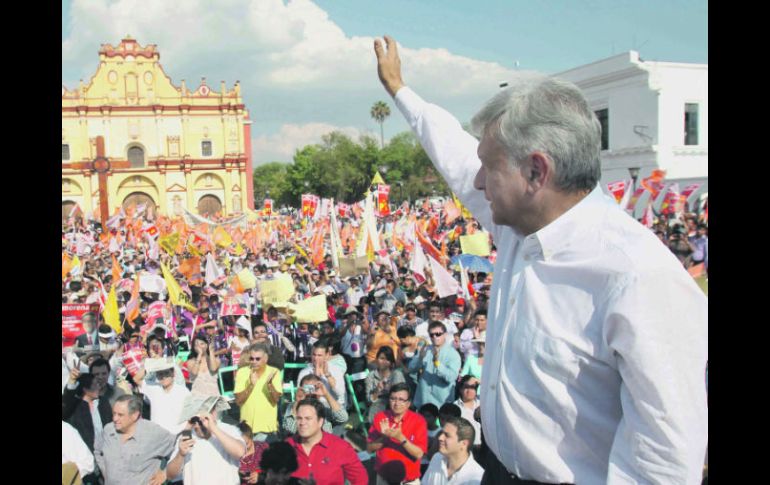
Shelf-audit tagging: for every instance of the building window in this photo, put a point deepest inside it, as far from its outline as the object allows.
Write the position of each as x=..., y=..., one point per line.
x=206, y=148
x=603, y=115
x=691, y=124
x=136, y=157
x=65, y=152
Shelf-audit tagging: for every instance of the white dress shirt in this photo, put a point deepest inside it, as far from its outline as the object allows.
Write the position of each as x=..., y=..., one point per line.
x=468, y=474
x=605, y=337
x=166, y=406
x=75, y=450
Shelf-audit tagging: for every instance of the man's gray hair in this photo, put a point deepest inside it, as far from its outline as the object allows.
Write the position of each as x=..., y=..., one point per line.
x=550, y=115
x=133, y=402
x=258, y=347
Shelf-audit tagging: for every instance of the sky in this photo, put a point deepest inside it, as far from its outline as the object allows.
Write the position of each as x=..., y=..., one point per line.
x=307, y=67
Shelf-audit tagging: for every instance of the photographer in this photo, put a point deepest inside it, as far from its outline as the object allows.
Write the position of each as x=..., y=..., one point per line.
x=335, y=416
x=208, y=450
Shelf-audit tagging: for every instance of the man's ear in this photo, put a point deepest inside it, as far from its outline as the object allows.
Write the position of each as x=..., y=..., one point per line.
x=538, y=171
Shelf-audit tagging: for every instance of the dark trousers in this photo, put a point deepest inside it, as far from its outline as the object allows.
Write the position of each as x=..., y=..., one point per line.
x=496, y=474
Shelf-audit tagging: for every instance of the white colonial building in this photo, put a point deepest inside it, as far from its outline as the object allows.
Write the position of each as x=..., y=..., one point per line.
x=654, y=116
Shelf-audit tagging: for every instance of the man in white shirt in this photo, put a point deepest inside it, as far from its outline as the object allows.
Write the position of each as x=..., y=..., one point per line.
x=604, y=333
x=211, y=454
x=331, y=375
x=74, y=450
x=454, y=463
x=166, y=397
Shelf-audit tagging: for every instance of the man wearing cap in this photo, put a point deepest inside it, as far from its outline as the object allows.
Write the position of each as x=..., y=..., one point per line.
x=166, y=397
x=385, y=334
x=354, y=294
x=212, y=452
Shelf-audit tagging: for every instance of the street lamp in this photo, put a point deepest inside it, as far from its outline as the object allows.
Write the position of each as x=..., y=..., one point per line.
x=634, y=173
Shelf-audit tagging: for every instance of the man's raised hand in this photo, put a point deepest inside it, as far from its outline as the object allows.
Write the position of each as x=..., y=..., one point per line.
x=388, y=65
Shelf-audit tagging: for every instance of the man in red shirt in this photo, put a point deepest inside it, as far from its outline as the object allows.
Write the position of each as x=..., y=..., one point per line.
x=400, y=438
x=323, y=457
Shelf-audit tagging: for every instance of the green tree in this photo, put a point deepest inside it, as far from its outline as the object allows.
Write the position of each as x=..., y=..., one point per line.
x=271, y=177
x=380, y=111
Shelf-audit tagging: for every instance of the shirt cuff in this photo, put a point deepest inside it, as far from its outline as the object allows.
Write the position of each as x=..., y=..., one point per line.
x=72, y=387
x=409, y=103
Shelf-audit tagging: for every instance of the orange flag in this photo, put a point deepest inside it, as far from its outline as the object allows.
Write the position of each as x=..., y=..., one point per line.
x=132, y=307
x=236, y=285
x=115, y=271
x=66, y=265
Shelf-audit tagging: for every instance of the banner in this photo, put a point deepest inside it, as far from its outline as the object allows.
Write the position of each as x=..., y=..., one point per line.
x=477, y=244
x=72, y=321
x=268, y=208
x=307, y=200
x=247, y=279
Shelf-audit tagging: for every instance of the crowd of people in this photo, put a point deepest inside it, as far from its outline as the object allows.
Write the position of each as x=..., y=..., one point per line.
x=417, y=358
x=189, y=387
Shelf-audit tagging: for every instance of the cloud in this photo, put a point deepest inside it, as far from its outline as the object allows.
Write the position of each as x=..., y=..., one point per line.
x=281, y=146
x=296, y=66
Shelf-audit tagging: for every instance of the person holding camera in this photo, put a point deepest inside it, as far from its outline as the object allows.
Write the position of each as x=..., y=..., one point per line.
x=335, y=415
x=208, y=450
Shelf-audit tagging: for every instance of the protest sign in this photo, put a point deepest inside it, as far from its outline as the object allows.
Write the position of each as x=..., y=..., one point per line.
x=353, y=266
x=232, y=305
x=279, y=289
x=247, y=279
x=132, y=360
x=477, y=244
x=156, y=311
x=72, y=321
x=311, y=310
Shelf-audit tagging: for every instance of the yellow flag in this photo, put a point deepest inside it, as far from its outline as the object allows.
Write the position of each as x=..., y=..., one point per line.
x=477, y=244
x=175, y=293
x=75, y=263
x=377, y=179
x=169, y=243
x=463, y=210
x=301, y=251
x=110, y=313
x=290, y=260
x=221, y=237
x=238, y=250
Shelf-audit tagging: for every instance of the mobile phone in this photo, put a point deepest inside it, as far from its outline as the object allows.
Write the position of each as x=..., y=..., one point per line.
x=186, y=434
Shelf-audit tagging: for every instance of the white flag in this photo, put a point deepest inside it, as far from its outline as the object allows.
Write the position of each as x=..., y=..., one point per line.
x=446, y=285
x=213, y=272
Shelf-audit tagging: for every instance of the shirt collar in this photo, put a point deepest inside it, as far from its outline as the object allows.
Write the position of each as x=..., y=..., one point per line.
x=559, y=234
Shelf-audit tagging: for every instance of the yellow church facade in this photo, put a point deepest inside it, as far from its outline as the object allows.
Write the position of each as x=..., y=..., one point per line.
x=168, y=146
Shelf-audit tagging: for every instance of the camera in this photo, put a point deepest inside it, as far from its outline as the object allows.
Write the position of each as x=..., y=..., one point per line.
x=308, y=388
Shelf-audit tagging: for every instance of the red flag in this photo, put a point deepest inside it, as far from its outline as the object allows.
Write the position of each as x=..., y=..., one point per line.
x=617, y=189
x=635, y=199
x=670, y=200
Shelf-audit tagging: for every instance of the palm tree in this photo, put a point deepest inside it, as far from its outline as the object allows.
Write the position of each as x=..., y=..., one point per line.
x=380, y=111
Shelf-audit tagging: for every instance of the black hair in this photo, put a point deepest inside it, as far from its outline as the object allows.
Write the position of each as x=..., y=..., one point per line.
x=279, y=457
x=388, y=353
x=436, y=324
x=194, y=353
x=244, y=428
x=101, y=361
x=320, y=409
x=480, y=312
x=322, y=344
x=449, y=409
x=401, y=386
x=405, y=331
x=465, y=431
x=85, y=381
x=429, y=408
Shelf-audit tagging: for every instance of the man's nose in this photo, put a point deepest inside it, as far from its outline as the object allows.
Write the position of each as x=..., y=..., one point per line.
x=478, y=180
